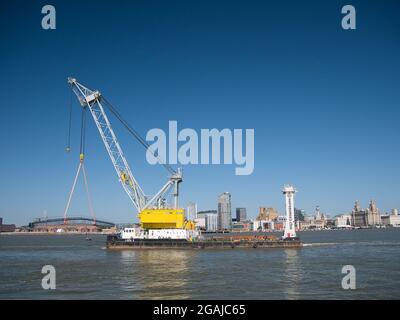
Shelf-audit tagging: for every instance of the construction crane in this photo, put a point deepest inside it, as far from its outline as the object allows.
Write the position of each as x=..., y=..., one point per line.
x=153, y=211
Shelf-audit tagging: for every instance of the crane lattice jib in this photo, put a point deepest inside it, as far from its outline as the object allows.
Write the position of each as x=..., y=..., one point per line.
x=92, y=100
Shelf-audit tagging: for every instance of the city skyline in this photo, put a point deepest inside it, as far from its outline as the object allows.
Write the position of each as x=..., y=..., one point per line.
x=304, y=212
x=191, y=210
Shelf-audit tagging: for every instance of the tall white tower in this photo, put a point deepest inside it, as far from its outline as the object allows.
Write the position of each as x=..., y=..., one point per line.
x=290, y=231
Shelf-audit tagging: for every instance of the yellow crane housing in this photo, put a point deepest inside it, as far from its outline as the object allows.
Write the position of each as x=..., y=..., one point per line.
x=162, y=218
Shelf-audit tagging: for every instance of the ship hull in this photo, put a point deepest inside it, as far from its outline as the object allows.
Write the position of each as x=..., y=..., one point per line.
x=113, y=243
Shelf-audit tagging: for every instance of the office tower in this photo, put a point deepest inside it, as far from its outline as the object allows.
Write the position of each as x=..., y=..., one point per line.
x=211, y=222
x=224, y=212
x=241, y=214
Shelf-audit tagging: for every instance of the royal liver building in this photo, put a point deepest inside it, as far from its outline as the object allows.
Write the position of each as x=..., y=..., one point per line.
x=369, y=217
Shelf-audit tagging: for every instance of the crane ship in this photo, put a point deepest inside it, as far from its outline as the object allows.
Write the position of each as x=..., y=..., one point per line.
x=162, y=224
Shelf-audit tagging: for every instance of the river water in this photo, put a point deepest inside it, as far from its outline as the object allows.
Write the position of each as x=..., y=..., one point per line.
x=86, y=270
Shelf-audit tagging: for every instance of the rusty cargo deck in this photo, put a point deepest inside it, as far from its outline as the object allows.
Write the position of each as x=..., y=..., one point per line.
x=114, y=243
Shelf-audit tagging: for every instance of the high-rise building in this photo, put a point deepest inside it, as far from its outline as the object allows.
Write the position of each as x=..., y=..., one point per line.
x=224, y=212
x=191, y=211
x=395, y=212
x=211, y=222
x=241, y=214
x=299, y=214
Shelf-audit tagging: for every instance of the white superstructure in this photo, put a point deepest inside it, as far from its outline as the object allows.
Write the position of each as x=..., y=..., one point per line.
x=173, y=234
x=132, y=233
x=290, y=231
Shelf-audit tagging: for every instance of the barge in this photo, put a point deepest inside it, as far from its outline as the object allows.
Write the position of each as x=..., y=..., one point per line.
x=115, y=242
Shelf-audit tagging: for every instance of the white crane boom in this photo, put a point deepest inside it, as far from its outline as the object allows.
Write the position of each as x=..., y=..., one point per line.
x=92, y=100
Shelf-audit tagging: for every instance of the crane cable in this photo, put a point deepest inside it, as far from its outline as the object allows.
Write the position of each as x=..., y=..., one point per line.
x=80, y=167
x=88, y=195
x=82, y=156
x=83, y=132
x=133, y=132
x=68, y=148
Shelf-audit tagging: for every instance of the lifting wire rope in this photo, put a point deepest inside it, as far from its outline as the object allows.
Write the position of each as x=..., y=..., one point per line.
x=68, y=148
x=81, y=166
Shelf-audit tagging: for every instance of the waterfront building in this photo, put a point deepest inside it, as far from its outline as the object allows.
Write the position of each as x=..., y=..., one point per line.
x=263, y=225
x=278, y=225
x=269, y=214
x=373, y=214
x=191, y=211
x=318, y=215
x=308, y=218
x=242, y=226
x=358, y=216
x=200, y=223
x=241, y=214
x=305, y=225
x=6, y=227
x=312, y=225
x=203, y=213
x=392, y=220
x=224, y=211
x=369, y=217
x=318, y=221
x=343, y=221
x=299, y=214
x=211, y=222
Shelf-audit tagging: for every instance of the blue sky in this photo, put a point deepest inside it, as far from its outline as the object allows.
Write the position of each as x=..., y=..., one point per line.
x=324, y=102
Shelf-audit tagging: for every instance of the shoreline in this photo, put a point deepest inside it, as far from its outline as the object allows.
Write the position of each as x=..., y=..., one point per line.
x=35, y=233
x=23, y=233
